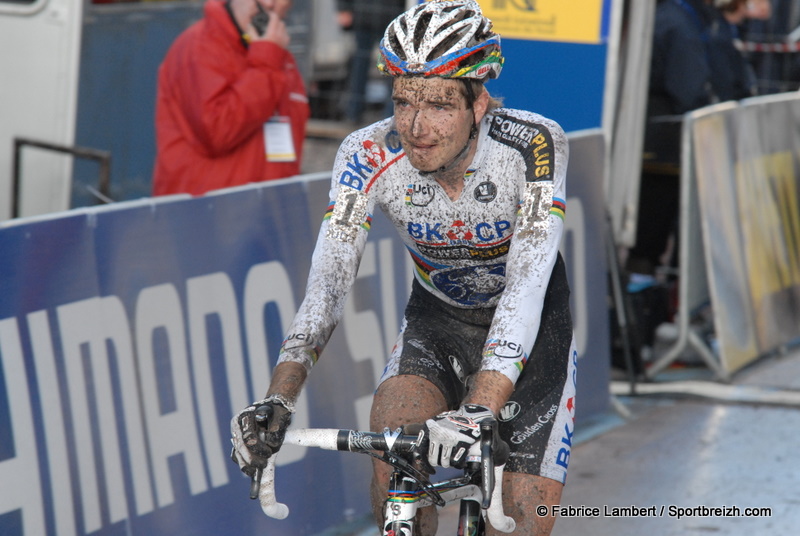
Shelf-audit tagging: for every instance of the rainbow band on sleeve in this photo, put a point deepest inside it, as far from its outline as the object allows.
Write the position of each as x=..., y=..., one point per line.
x=488, y=351
x=559, y=207
x=311, y=352
x=329, y=210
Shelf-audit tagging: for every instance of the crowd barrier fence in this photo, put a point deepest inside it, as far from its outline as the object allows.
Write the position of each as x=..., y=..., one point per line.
x=739, y=232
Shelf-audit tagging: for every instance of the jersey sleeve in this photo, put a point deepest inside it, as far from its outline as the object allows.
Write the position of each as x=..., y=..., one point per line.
x=533, y=252
x=334, y=264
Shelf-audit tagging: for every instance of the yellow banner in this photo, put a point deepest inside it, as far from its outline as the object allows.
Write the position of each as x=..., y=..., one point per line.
x=576, y=21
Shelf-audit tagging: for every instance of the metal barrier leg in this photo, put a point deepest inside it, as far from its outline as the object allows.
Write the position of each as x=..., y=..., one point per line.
x=687, y=334
x=620, y=304
x=687, y=338
x=707, y=355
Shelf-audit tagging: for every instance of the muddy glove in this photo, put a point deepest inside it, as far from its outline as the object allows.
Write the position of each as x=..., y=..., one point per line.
x=258, y=431
x=451, y=434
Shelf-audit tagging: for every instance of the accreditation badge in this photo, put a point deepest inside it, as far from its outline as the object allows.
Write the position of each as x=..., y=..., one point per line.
x=278, y=143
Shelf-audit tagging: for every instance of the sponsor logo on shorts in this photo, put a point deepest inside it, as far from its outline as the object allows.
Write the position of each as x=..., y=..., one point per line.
x=562, y=458
x=457, y=368
x=431, y=363
x=521, y=435
x=418, y=344
x=509, y=411
x=429, y=360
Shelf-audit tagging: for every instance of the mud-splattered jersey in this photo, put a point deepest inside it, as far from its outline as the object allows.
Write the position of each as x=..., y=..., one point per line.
x=493, y=247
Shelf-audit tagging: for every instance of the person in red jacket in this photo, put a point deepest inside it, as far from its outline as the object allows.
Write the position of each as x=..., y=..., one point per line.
x=231, y=106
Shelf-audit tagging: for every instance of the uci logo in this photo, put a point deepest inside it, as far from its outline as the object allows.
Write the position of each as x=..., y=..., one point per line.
x=419, y=195
x=296, y=340
x=508, y=350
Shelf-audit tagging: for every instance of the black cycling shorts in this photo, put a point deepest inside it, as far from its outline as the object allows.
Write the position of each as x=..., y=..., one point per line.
x=444, y=344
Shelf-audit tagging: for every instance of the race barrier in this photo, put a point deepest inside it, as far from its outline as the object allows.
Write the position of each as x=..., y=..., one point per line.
x=131, y=333
x=740, y=231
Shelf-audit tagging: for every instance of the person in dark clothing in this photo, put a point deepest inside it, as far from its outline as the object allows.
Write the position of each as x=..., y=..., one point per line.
x=367, y=20
x=732, y=76
x=680, y=81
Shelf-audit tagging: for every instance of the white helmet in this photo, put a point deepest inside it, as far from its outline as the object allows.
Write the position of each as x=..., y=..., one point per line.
x=448, y=39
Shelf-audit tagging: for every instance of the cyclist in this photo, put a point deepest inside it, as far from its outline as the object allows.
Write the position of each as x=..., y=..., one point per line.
x=476, y=192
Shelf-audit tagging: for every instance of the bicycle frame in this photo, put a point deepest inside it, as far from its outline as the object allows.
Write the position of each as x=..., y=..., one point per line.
x=409, y=488
x=405, y=497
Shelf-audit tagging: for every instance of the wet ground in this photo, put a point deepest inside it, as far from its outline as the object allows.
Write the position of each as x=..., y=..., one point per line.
x=689, y=455
x=711, y=449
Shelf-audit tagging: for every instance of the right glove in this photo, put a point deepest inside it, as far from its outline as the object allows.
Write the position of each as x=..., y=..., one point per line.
x=452, y=433
x=257, y=432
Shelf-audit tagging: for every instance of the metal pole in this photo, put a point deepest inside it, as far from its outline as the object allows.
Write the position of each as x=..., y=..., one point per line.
x=102, y=157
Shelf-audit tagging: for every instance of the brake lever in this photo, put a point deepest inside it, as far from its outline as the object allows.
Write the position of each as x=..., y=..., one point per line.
x=488, y=428
x=262, y=416
x=255, y=483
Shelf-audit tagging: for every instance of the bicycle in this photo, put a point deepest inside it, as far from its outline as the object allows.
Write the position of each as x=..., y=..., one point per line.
x=479, y=489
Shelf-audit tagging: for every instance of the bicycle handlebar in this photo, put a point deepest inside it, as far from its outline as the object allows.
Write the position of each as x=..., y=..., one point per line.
x=387, y=441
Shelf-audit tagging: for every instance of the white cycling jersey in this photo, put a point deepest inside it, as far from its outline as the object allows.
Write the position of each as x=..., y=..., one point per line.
x=493, y=247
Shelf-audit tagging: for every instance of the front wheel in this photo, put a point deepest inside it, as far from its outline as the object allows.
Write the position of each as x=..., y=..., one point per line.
x=470, y=520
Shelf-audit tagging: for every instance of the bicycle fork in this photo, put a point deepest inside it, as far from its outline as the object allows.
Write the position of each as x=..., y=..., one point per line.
x=401, y=506
x=403, y=500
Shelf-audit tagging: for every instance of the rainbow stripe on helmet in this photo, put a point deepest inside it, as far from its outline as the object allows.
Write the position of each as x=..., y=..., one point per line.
x=447, y=66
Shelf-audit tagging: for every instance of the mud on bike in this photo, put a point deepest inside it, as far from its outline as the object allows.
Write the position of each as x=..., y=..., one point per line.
x=479, y=488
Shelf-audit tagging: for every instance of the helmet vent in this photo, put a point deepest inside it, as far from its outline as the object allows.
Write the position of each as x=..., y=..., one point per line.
x=419, y=30
x=394, y=44
x=445, y=45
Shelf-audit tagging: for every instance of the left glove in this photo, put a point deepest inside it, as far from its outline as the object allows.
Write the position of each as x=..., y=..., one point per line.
x=451, y=434
x=257, y=432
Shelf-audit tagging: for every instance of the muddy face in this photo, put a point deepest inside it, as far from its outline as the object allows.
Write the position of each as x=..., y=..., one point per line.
x=433, y=120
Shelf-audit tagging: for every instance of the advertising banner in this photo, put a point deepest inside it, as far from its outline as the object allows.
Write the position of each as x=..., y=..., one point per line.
x=578, y=21
x=721, y=255
x=131, y=334
x=556, y=58
x=747, y=175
